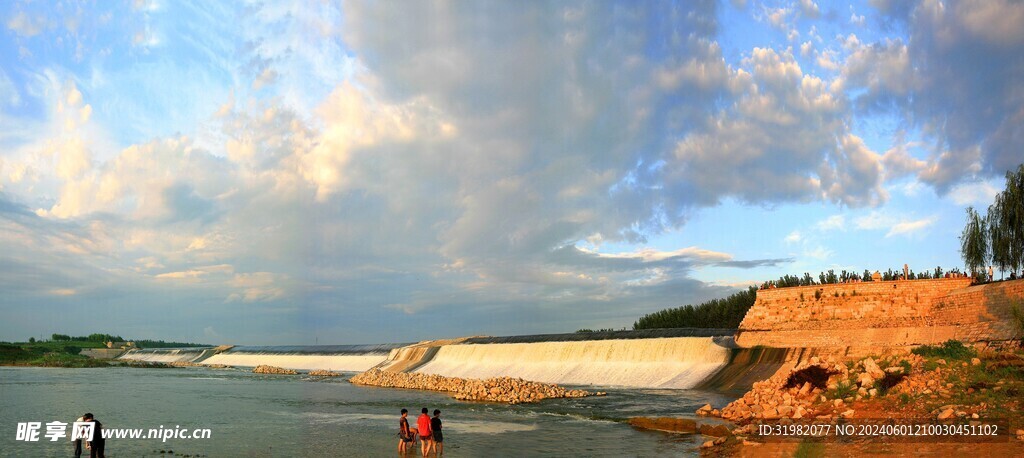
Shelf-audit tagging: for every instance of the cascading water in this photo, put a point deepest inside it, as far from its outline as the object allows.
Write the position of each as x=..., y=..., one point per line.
x=167, y=355
x=675, y=362
x=348, y=358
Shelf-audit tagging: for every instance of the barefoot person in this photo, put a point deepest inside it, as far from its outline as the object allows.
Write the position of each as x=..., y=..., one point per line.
x=405, y=434
x=423, y=424
x=435, y=428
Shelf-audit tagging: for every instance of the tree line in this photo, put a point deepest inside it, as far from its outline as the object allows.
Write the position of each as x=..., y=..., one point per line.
x=102, y=338
x=716, y=313
x=997, y=238
x=831, y=277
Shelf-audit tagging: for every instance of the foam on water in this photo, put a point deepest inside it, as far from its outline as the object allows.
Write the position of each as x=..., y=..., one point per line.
x=680, y=362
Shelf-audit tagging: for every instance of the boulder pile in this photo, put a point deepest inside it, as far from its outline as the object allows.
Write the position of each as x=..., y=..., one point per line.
x=264, y=369
x=501, y=389
x=324, y=373
x=820, y=388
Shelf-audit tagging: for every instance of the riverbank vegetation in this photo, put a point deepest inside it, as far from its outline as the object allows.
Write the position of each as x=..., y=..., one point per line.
x=716, y=313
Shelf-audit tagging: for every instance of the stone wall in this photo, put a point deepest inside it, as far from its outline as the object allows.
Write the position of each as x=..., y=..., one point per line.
x=891, y=313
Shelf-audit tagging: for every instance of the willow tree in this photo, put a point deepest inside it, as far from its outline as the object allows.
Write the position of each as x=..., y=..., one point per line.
x=1006, y=224
x=974, y=242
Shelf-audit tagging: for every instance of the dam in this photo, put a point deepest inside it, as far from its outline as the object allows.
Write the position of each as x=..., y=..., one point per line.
x=784, y=327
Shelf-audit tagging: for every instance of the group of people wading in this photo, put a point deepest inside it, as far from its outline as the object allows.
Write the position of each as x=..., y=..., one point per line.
x=427, y=432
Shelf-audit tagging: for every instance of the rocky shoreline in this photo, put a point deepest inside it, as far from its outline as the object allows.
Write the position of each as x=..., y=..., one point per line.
x=506, y=390
x=952, y=384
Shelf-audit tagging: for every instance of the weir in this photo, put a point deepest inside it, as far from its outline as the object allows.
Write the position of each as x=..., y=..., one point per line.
x=672, y=362
x=348, y=358
x=168, y=355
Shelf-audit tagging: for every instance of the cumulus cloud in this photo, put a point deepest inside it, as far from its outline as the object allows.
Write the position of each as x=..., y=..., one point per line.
x=957, y=78
x=783, y=139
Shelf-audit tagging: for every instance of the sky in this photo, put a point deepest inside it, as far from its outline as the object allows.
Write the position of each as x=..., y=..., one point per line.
x=325, y=172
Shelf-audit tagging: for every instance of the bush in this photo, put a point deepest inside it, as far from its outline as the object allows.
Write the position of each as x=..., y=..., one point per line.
x=951, y=349
x=1018, y=319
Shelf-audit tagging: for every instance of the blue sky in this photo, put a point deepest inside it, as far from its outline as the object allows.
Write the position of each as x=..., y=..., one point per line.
x=284, y=173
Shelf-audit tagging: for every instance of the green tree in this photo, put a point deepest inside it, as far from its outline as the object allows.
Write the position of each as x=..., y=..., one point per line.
x=1006, y=224
x=974, y=242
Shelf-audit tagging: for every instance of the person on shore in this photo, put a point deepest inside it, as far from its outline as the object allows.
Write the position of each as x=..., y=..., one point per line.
x=435, y=428
x=97, y=445
x=78, y=442
x=423, y=423
x=406, y=435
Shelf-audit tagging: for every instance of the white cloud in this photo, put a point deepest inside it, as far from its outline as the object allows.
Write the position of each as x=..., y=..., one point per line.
x=910, y=227
x=26, y=25
x=980, y=194
x=793, y=237
x=877, y=220
x=832, y=223
x=651, y=255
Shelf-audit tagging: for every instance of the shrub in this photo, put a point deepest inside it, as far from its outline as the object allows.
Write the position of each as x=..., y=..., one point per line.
x=817, y=294
x=843, y=390
x=951, y=349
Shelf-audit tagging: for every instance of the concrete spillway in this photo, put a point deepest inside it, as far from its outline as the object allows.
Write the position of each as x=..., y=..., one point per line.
x=675, y=362
x=349, y=358
x=168, y=355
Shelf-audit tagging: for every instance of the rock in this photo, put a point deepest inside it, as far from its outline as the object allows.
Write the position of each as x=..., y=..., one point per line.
x=708, y=444
x=872, y=369
x=866, y=380
x=804, y=390
x=847, y=414
x=750, y=443
x=975, y=362
x=324, y=373
x=873, y=392
x=719, y=441
x=672, y=425
x=837, y=402
x=945, y=414
x=704, y=410
x=264, y=369
x=714, y=430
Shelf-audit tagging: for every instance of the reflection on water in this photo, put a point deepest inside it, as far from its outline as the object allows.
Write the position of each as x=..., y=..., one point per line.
x=261, y=415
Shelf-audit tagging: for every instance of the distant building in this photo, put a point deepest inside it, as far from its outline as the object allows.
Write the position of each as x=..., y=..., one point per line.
x=121, y=345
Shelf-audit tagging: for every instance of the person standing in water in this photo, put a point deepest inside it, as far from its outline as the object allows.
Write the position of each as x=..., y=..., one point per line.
x=98, y=443
x=78, y=442
x=405, y=434
x=423, y=423
x=435, y=428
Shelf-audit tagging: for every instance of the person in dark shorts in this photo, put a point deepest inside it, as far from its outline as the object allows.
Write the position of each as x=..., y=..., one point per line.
x=423, y=423
x=98, y=444
x=406, y=435
x=435, y=428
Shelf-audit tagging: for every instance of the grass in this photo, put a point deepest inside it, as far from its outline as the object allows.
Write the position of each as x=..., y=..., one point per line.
x=842, y=390
x=951, y=349
x=809, y=450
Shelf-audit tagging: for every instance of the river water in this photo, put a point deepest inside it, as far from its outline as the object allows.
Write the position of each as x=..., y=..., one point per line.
x=262, y=416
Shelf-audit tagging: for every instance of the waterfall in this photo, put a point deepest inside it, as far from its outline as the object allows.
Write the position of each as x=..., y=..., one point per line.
x=676, y=362
x=348, y=358
x=167, y=355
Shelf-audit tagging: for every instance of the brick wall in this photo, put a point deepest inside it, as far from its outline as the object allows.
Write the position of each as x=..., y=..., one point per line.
x=892, y=313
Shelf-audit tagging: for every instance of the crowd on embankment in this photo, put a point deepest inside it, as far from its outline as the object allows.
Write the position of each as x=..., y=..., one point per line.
x=500, y=389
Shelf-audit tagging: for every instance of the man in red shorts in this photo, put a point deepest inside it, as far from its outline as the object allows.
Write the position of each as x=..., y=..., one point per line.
x=423, y=425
